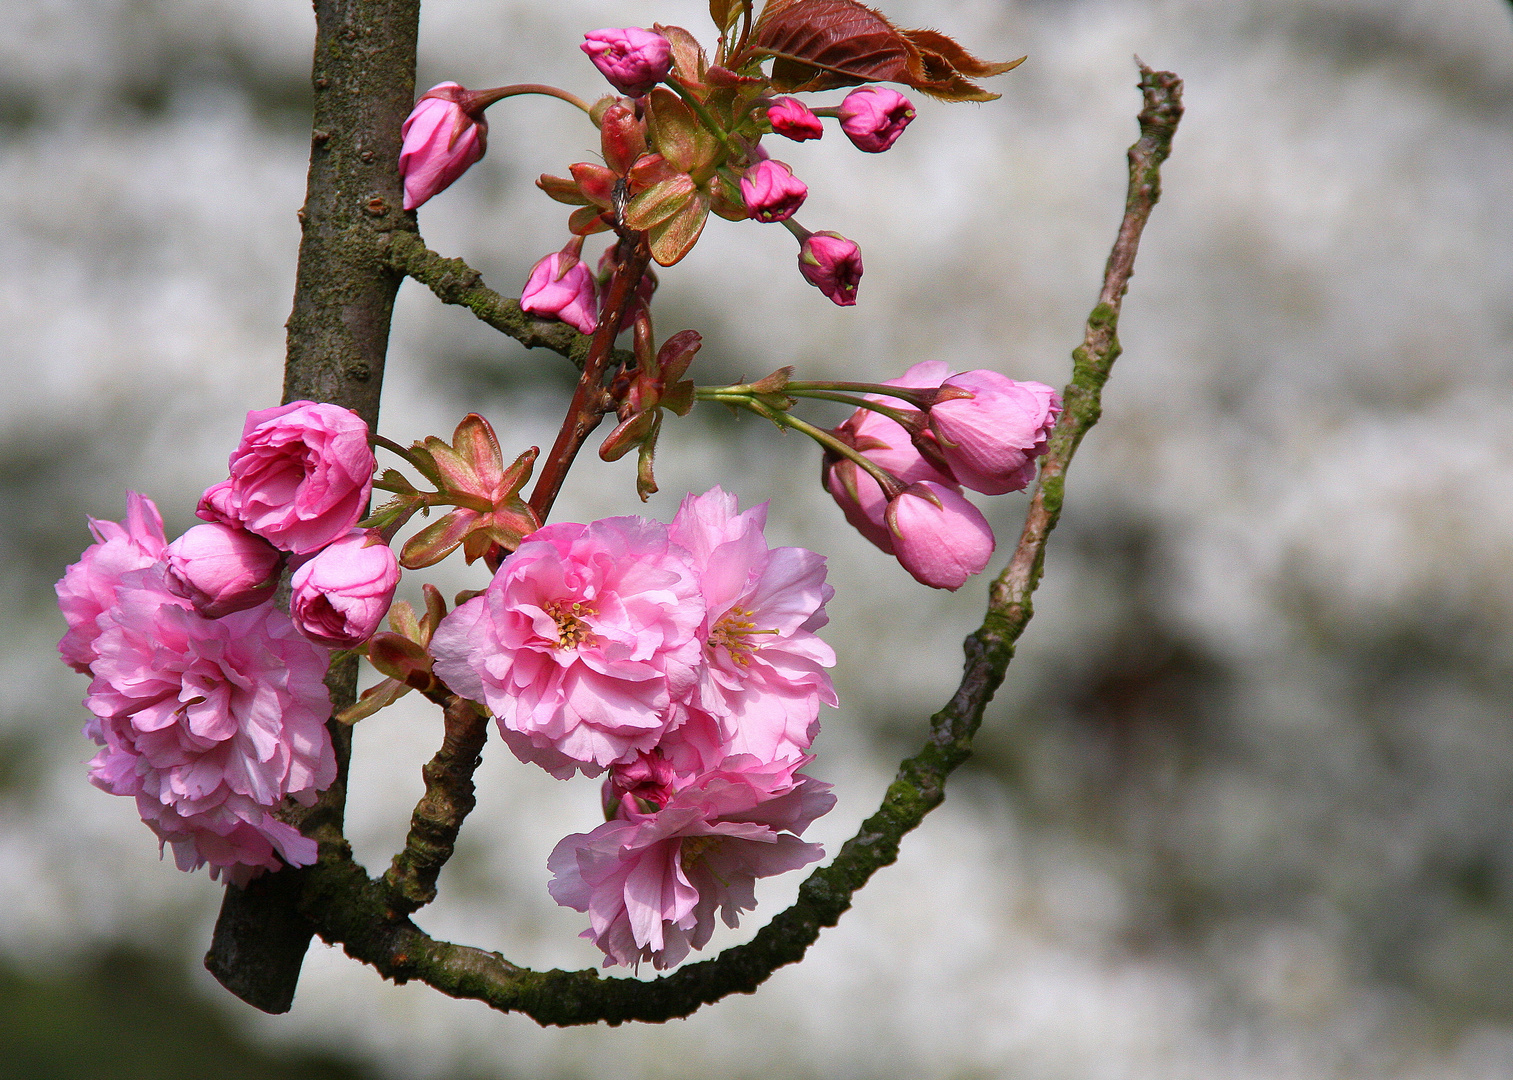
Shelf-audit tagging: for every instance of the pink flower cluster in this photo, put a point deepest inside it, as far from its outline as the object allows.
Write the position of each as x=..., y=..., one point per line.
x=209, y=701
x=986, y=439
x=683, y=659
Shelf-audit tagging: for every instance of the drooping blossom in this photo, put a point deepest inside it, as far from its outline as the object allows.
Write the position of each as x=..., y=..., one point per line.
x=991, y=439
x=342, y=594
x=441, y=141
x=873, y=117
x=88, y=587
x=771, y=191
x=763, y=678
x=220, y=569
x=562, y=287
x=583, y=645
x=833, y=265
x=792, y=119
x=632, y=59
x=300, y=478
x=939, y=536
x=653, y=882
x=208, y=724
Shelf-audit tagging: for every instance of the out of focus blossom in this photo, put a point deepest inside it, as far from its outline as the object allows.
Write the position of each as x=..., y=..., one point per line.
x=991, y=439
x=343, y=593
x=833, y=265
x=792, y=119
x=220, y=569
x=441, y=140
x=873, y=117
x=562, y=287
x=939, y=536
x=632, y=59
x=89, y=586
x=300, y=478
x=771, y=191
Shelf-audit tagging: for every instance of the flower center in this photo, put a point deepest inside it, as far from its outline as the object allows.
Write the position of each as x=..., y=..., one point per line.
x=572, y=631
x=692, y=849
x=733, y=631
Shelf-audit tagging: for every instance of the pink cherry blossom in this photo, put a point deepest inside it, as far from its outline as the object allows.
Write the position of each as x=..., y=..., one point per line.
x=340, y=597
x=833, y=265
x=220, y=569
x=652, y=883
x=88, y=587
x=939, y=536
x=584, y=644
x=873, y=117
x=991, y=439
x=209, y=723
x=632, y=59
x=562, y=287
x=300, y=478
x=441, y=141
x=792, y=119
x=763, y=678
x=771, y=191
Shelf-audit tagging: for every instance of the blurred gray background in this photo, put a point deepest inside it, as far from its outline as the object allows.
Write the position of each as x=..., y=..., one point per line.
x=1244, y=808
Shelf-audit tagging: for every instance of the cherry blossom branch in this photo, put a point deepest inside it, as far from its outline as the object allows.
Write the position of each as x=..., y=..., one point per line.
x=350, y=908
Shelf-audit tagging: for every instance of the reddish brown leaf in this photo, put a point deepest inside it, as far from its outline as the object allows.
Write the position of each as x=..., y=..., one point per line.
x=688, y=60
x=659, y=202
x=586, y=220
x=561, y=189
x=595, y=182
x=675, y=237
x=622, y=138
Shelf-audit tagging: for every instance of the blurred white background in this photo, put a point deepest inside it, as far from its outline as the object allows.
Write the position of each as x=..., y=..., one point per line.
x=1244, y=807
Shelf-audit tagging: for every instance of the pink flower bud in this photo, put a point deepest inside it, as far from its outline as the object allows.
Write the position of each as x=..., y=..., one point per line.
x=440, y=142
x=833, y=265
x=561, y=287
x=220, y=569
x=792, y=119
x=300, y=477
x=938, y=536
x=772, y=192
x=342, y=594
x=632, y=59
x=873, y=117
x=991, y=439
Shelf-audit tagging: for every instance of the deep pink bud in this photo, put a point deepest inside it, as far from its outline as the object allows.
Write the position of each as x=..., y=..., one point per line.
x=772, y=192
x=833, y=265
x=342, y=594
x=561, y=287
x=792, y=119
x=632, y=59
x=938, y=536
x=873, y=117
x=991, y=439
x=440, y=142
x=220, y=569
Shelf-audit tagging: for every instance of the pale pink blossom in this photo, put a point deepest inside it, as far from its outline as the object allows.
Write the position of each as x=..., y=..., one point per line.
x=441, y=141
x=632, y=59
x=562, y=287
x=792, y=119
x=991, y=439
x=833, y=265
x=939, y=536
x=88, y=587
x=653, y=882
x=220, y=569
x=300, y=477
x=771, y=191
x=340, y=597
x=873, y=117
x=763, y=678
x=209, y=723
x=584, y=644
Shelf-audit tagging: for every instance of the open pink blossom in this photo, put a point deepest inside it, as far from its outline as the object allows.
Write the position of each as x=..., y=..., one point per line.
x=991, y=439
x=562, y=287
x=441, y=141
x=300, y=478
x=873, y=117
x=792, y=119
x=583, y=645
x=632, y=59
x=652, y=883
x=209, y=723
x=833, y=265
x=220, y=569
x=771, y=191
x=763, y=678
x=88, y=587
x=939, y=536
x=340, y=597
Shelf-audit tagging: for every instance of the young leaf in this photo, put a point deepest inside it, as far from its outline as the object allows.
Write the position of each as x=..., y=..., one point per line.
x=660, y=202
x=675, y=237
x=561, y=189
